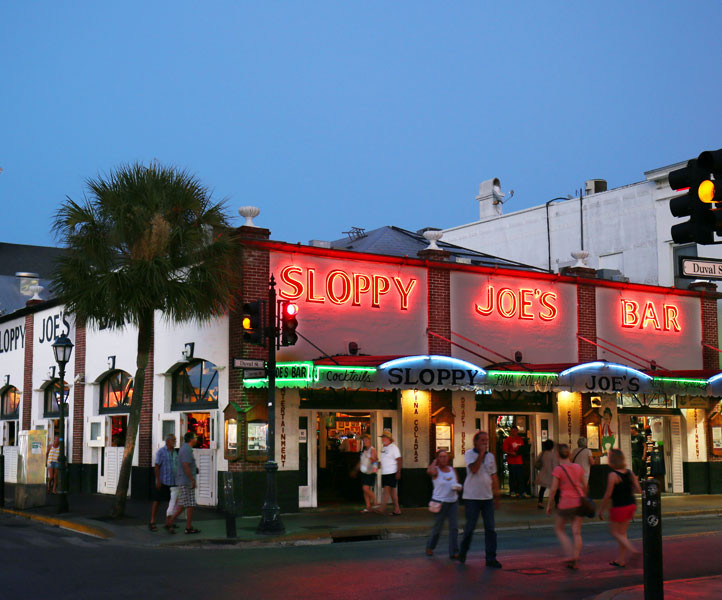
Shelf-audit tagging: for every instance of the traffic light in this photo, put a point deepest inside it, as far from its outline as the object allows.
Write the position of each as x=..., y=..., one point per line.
x=289, y=310
x=699, y=201
x=252, y=322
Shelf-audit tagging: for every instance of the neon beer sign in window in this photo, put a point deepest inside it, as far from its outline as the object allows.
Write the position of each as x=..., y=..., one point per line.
x=526, y=304
x=648, y=316
x=343, y=287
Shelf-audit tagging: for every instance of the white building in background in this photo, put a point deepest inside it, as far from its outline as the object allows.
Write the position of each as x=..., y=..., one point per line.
x=626, y=229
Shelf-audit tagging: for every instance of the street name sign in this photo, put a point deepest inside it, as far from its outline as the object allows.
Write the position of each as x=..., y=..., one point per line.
x=260, y=374
x=248, y=363
x=700, y=268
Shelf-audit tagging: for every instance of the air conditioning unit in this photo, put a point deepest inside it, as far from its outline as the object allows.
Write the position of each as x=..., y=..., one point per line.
x=595, y=186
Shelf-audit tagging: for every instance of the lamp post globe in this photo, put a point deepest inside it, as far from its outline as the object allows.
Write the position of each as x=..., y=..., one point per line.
x=62, y=349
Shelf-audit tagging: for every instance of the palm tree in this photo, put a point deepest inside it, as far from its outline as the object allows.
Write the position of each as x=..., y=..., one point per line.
x=145, y=239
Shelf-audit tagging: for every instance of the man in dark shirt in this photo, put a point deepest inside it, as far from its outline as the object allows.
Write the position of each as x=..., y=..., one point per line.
x=639, y=446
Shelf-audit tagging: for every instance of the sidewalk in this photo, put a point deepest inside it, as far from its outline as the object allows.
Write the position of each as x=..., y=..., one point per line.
x=681, y=589
x=89, y=514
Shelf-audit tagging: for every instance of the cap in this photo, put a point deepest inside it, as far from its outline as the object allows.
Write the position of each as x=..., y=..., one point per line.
x=387, y=434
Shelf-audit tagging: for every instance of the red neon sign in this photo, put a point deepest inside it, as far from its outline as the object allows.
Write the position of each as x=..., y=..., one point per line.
x=341, y=287
x=526, y=304
x=648, y=316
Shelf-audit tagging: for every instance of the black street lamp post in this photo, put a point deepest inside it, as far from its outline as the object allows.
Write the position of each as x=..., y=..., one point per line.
x=62, y=348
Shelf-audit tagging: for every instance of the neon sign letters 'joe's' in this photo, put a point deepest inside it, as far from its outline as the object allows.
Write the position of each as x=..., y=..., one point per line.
x=341, y=287
x=527, y=304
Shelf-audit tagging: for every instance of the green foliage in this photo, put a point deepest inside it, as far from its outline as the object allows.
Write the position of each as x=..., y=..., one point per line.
x=144, y=239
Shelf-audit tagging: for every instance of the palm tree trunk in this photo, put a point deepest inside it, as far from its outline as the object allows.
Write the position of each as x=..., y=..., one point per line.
x=145, y=333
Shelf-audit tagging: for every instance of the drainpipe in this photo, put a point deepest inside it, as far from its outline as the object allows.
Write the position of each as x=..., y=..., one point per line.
x=549, y=236
x=581, y=216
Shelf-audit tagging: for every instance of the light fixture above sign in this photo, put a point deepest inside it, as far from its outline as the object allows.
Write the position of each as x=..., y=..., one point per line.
x=188, y=351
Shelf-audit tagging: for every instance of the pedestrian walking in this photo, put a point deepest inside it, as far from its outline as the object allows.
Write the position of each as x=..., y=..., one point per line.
x=368, y=466
x=165, y=489
x=481, y=497
x=583, y=456
x=621, y=487
x=186, y=480
x=444, y=502
x=546, y=463
x=390, y=472
x=52, y=460
x=513, y=449
x=569, y=479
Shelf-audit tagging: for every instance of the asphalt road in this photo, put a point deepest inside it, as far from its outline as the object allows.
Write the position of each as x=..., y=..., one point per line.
x=39, y=561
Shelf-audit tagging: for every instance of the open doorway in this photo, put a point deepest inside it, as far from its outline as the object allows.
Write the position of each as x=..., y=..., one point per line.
x=499, y=429
x=339, y=445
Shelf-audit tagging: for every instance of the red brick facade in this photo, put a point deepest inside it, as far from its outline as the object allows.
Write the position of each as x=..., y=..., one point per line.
x=79, y=396
x=255, y=277
x=28, y=372
x=586, y=322
x=439, y=307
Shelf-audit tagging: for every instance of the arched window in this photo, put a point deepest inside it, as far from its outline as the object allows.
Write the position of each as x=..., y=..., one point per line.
x=52, y=393
x=10, y=405
x=196, y=385
x=116, y=392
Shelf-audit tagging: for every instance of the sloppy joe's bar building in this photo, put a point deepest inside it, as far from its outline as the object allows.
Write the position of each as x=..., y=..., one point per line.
x=429, y=348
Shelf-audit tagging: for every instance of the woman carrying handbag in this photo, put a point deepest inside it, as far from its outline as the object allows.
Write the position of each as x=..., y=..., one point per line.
x=444, y=503
x=569, y=479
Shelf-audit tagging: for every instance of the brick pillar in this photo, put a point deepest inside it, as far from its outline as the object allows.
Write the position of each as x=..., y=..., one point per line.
x=145, y=429
x=79, y=395
x=28, y=372
x=710, y=358
x=438, y=302
x=255, y=274
x=586, y=313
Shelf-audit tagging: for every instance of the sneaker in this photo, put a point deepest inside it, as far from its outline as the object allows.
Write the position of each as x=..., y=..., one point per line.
x=494, y=564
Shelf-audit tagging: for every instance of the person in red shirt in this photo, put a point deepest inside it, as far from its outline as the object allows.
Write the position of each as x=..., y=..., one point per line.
x=512, y=448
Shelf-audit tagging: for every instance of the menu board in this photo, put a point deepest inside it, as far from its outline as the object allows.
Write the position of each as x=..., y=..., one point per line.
x=257, y=437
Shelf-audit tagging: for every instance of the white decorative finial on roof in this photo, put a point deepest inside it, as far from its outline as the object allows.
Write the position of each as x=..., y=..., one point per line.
x=433, y=236
x=248, y=213
x=581, y=258
x=35, y=290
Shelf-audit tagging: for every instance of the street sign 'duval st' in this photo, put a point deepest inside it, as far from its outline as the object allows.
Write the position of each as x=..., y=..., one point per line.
x=701, y=268
x=248, y=363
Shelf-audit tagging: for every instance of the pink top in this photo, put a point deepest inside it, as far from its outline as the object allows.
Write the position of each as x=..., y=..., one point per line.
x=571, y=491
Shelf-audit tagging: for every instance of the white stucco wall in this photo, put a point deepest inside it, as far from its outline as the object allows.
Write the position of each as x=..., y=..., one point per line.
x=48, y=324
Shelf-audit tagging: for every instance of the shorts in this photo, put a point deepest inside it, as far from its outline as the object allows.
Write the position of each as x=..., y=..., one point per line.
x=162, y=494
x=186, y=496
x=53, y=465
x=622, y=514
x=389, y=480
x=568, y=513
x=368, y=479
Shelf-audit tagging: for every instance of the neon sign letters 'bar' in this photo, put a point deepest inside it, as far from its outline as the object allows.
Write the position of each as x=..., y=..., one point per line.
x=648, y=317
x=526, y=304
x=341, y=287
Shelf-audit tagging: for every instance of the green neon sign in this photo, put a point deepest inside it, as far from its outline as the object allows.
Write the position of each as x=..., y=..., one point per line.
x=288, y=374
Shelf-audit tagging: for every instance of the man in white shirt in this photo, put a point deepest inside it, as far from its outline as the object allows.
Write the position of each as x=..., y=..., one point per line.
x=481, y=496
x=390, y=459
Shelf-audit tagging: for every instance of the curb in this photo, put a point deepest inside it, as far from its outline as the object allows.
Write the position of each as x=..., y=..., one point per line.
x=62, y=524
x=611, y=594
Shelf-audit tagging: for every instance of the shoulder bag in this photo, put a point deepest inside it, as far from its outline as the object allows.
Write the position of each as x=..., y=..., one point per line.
x=587, y=508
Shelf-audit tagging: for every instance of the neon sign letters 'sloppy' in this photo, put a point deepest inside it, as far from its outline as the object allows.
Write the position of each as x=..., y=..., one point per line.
x=341, y=287
x=526, y=304
x=648, y=317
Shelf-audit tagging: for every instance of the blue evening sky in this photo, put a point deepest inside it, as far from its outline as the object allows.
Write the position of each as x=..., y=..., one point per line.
x=335, y=114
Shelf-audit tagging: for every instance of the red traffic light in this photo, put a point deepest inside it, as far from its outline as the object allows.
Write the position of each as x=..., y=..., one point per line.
x=290, y=309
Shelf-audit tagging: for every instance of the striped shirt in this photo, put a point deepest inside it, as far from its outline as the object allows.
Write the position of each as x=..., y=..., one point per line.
x=167, y=461
x=53, y=454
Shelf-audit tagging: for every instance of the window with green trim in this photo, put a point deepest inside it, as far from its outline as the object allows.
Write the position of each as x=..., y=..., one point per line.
x=116, y=392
